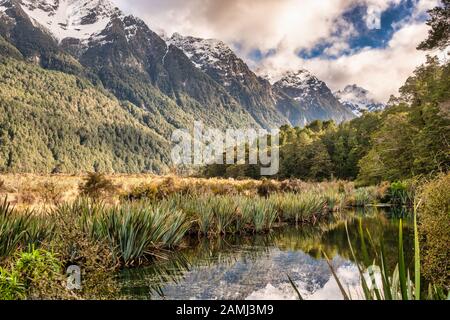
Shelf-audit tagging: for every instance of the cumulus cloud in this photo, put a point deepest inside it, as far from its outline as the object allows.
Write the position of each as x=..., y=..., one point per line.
x=281, y=29
x=254, y=24
x=382, y=71
x=374, y=10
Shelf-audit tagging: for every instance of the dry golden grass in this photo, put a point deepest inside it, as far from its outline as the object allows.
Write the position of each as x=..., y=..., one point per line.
x=43, y=191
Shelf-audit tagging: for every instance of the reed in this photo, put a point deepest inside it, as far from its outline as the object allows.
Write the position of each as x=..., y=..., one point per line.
x=220, y=215
x=259, y=213
x=397, y=285
x=205, y=216
x=225, y=213
x=335, y=200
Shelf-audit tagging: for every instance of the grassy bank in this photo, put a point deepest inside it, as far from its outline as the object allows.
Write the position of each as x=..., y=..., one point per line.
x=104, y=223
x=30, y=191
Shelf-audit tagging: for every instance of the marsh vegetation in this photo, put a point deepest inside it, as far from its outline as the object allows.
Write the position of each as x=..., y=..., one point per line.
x=108, y=227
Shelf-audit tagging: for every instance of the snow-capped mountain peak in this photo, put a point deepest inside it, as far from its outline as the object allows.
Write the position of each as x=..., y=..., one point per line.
x=79, y=19
x=358, y=99
x=313, y=95
x=301, y=79
x=203, y=52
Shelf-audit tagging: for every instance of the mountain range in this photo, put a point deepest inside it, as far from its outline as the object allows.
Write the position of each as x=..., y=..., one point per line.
x=155, y=84
x=358, y=99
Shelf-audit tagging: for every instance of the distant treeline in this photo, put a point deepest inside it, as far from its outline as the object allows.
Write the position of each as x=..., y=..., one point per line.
x=410, y=138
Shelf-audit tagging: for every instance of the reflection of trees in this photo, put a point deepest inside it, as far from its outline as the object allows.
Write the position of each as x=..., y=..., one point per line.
x=327, y=236
x=331, y=237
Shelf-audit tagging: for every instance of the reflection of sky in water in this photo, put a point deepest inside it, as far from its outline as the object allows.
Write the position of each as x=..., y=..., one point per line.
x=259, y=269
x=263, y=277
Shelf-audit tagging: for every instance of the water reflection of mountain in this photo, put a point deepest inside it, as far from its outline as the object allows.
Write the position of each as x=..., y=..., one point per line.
x=239, y=267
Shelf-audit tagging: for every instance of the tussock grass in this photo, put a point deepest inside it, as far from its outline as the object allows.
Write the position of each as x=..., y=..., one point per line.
x=20, y=229
x=299, y=208
x=136, y=230
x=365, y=196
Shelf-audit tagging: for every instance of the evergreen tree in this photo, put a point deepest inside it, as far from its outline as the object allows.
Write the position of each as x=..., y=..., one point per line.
x=439, y=34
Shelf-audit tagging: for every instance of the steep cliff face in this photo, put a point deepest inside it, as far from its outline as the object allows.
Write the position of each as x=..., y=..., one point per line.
x=312, y=96
x=218, y=61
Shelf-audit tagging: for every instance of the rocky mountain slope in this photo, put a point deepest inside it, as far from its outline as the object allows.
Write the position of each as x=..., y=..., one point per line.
x=122, y=54
x=218, y=61
x=358, y=100
x=312, y=95
x=297, y=99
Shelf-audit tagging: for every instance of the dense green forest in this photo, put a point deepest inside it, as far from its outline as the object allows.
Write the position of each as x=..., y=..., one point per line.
x=55, y=122
x=410, y=138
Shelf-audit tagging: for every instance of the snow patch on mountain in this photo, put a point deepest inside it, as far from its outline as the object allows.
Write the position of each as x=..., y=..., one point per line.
x=207, y=54
x=300, y=80
x=358, y=99
x=79, y=19
x=313, y=96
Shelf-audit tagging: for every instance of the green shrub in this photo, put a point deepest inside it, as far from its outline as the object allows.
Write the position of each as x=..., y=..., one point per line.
x=34, y=274
x=97, y=186
x=402, y=193
x=434, y=229
x=37, y=265
x=11, y=287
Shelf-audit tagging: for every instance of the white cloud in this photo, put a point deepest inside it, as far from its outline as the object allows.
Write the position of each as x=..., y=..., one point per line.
x=255, y=24
x=286, y=27
x=381, y=71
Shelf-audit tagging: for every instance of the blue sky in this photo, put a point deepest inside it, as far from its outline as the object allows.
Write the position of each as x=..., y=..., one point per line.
x=366, y=37
x=374, y=37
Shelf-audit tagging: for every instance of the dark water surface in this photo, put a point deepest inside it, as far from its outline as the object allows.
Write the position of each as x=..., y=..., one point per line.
x=256, y=267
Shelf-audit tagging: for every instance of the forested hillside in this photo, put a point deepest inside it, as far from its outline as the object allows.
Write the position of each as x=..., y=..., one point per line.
x=51, y=122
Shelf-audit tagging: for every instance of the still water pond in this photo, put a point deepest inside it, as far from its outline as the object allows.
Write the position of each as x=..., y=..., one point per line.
x=257, y=267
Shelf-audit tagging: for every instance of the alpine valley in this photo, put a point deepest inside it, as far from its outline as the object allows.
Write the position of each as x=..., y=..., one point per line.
x=85, y=87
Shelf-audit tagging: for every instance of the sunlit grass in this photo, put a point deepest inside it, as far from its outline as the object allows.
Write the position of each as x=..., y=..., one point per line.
x=136, y=230
x=20, y=229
